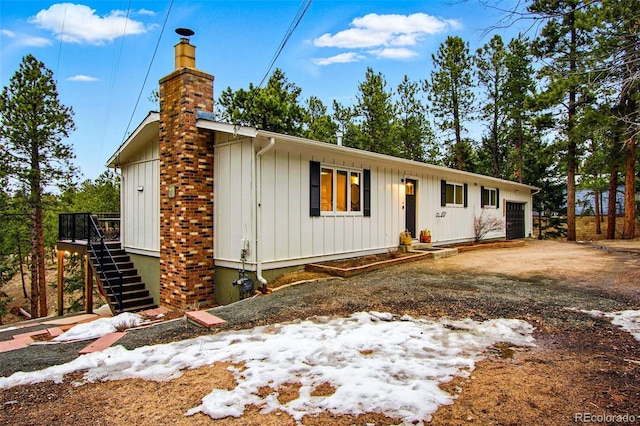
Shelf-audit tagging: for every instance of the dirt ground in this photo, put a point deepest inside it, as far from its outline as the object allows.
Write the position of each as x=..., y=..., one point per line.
x=580, y=365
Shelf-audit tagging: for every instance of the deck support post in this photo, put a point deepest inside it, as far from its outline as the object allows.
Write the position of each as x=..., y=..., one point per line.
x=88, y=285
x=60, y=282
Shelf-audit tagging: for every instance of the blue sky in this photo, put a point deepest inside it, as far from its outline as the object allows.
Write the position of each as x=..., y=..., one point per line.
x=101, y=51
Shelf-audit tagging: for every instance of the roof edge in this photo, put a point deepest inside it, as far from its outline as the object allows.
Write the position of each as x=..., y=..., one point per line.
x=152, y=117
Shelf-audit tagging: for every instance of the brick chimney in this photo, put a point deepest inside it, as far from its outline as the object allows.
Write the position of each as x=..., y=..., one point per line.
x=186, y=184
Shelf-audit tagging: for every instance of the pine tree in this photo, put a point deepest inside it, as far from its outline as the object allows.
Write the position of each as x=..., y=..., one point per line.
x=374, y=110
x=412, y=128
x=34, y=123
x=491, y=69
x=450, y=93
x=519, y=90
x=618, y=50
x=276, y=107
x=564, y=45
x=319, y=124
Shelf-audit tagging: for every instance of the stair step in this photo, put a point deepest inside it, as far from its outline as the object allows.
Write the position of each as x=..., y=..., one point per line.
x=131, y=286
x=120, y=265
x=125, y=272
x=135, y=295
x=129, y=294
x=133, y=303
x=140, y=308
x=126, y=279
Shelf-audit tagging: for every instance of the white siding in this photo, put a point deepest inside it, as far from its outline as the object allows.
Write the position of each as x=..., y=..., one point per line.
x=233, y=200
x=141, y=208
x=290, y=235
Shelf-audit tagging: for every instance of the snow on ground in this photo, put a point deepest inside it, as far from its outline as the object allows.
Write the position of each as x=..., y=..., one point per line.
x=376, y=362
x=100, y=327
x=628, y=320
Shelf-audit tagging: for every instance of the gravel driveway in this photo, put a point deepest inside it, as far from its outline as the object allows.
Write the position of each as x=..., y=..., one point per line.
x=581, y=363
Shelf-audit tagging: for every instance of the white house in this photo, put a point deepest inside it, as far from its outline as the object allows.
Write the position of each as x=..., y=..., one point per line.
x=234, y=197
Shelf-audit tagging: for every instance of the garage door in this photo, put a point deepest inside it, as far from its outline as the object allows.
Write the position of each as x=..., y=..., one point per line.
x=515, y=221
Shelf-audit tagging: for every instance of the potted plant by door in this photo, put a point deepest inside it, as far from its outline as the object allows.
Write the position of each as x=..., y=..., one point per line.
x=425, y=236
x=405, y=238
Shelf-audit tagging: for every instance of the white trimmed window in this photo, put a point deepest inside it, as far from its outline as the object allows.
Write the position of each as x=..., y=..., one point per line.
x=340, y=190
x=490, y=197
x=453, y=194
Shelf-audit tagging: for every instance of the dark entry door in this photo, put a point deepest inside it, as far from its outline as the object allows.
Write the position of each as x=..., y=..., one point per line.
x=410, y=187
x=515, y=221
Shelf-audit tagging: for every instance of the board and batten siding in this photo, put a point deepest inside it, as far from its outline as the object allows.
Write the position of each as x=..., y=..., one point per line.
x=140, y=202
x=234, y=192
x=290, y=235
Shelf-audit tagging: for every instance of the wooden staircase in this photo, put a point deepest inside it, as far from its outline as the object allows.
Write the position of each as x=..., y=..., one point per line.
x=134, y=293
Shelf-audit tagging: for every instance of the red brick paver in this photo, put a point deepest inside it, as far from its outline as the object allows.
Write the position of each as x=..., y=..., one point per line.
x=13, y=344
x=204, y=318
x=102, y=343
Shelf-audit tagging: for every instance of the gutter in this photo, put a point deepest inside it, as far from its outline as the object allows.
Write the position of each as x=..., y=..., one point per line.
x=272, y=142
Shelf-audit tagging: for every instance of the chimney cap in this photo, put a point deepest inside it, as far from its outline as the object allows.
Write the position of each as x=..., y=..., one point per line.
x=184, y=32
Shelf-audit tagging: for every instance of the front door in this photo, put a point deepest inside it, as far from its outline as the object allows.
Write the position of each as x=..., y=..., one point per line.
x=410, y=191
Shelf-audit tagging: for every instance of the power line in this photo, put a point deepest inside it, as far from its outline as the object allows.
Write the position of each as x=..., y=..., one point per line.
x=117, y=56
x=302, y=10
x=64, y=18
x=164, y=24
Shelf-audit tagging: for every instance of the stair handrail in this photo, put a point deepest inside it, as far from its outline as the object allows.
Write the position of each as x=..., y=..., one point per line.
x=95, y=234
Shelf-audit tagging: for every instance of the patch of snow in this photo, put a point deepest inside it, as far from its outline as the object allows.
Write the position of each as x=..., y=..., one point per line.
x=103, y=311
x=628, y=320
x=374, y=362
x=100, y=327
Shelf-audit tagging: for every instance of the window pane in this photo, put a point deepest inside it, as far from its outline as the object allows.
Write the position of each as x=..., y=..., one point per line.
x=326, y=190
x=485, y=197
x=341, y=191
x=459, y=195
x=450, y=190
x=355, y=192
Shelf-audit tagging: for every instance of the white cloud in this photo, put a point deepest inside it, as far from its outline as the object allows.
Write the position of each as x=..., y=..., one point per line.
x=342, y=58
x=84, y=78
x=394, y=53
x=26, y=40
x=352, y=38
x=386, y=30
x=146, y=12
x=76, y=23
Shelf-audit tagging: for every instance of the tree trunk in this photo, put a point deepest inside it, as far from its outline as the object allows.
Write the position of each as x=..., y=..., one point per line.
x=42, y=280
x=596, y=194
x=519, y=172
x=629, y=230
x=38, y=280
x=613, y=193
x=35, y=286
x=571, y=149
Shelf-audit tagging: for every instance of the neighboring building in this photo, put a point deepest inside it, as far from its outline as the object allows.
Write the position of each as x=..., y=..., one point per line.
x=201, y=199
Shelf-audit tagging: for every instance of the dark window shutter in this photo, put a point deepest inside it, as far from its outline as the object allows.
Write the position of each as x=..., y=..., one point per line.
x=366, y=187
x=497, y=198
x=466, y=187
x=482, y=196
x=443, y=193
x=314, y=188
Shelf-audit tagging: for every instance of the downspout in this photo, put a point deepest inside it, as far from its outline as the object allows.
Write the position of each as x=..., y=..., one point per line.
x=272, y=142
